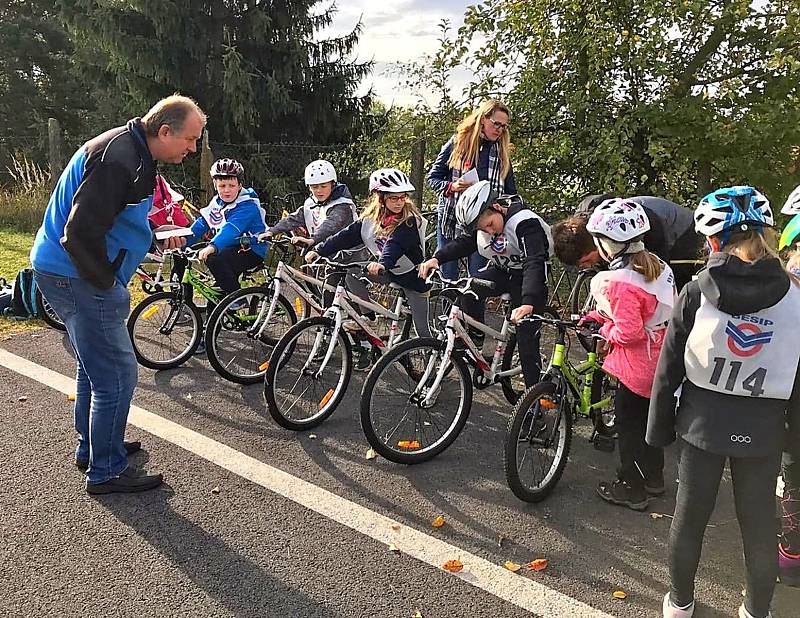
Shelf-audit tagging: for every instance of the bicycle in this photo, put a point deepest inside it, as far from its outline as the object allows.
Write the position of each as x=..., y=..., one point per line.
x=420, y=379
x=541, y=422
x=311, y=365
x=166, y=327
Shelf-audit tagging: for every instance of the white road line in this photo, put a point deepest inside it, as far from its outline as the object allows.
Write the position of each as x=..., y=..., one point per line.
x=481, y=573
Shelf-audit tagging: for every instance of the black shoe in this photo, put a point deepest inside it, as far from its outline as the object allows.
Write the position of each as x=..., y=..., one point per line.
x=201, y=349
x=131, y=447
x=619, y=492
x=131, y=480
x=364, y=360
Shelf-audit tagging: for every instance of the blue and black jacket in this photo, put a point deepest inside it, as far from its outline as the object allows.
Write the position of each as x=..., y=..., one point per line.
x=229, y=223
x=95, y=227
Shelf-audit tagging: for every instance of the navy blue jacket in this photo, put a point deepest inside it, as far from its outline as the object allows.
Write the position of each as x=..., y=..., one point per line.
x=440, y=175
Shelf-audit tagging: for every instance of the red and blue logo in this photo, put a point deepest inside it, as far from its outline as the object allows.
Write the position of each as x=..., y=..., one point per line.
x=499, y=244
x=215, y=217
x=746, y=339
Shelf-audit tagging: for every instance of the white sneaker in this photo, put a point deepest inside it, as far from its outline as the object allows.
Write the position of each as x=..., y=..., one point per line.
x=670, y=611
x=743, y=613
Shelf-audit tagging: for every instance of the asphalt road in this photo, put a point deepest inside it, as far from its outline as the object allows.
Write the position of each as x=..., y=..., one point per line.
x=210, y=543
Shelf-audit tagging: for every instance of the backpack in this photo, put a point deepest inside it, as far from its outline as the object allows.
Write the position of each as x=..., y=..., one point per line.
x=166, y=208
x=23, y=296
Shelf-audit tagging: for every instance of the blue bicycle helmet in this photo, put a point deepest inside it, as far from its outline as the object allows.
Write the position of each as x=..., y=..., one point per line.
x=732, y=209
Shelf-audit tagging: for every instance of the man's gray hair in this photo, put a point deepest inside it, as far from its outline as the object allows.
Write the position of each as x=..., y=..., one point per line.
x=171, y=111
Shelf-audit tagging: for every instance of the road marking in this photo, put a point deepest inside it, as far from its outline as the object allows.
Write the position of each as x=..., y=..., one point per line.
x=479, y=572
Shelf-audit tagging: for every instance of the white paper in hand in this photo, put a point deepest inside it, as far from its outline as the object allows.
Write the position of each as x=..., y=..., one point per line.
x=181, y=231
x=471, y=176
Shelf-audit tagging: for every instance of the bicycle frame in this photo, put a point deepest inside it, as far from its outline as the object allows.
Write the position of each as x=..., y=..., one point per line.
x=580, y=379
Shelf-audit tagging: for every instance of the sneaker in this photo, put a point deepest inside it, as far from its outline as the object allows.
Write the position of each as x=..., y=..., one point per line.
x=351, y=326
x=238, y=305
x=130, y=447
x=788, y=568
x=673, y=611
x=201, y=348
x=131, y=480
x=364, y=360
x=619, y=492
x=743, y=613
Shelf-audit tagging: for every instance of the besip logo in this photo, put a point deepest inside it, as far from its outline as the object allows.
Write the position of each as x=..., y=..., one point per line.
x=746, y=339
x=741, y=439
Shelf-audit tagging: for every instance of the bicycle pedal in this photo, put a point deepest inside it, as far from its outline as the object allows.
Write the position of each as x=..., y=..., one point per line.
x=604, y=443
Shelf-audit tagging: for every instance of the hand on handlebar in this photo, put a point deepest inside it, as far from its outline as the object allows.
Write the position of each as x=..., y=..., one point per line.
x=374, y=268
x=427, y=266
x=300, y=240
x=521, y=312
x=311, y=256
x=265, y=236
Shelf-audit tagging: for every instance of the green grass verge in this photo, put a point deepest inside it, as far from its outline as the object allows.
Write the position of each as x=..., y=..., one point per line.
x=14, y=256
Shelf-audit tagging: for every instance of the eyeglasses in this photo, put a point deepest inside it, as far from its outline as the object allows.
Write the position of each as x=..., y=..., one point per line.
x=500, y=126
x=396, y=197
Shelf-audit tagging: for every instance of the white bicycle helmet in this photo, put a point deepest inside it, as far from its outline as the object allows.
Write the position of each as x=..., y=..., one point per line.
x=792, y=205
x=320, y=171
x=732, y=208
x=227, y=167
x=618, y=219
x=390, y=180
x=473, y=202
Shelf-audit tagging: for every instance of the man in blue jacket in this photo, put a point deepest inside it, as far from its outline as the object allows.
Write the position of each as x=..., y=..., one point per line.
x=94, y=235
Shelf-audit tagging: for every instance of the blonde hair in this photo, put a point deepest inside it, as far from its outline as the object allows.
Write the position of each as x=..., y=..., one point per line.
x=375, y=211
x=468, y=137
x=752, y=245
x=647, y=264
x=171, y=111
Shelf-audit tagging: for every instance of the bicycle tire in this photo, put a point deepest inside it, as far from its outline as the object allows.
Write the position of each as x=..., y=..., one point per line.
x=245, y=365
x=47, y=314
x=134, y=329
x=580, y=296
x=286, y=350
x=604, y=422
x=522, y=423
x=406, y=453
x=511, y=391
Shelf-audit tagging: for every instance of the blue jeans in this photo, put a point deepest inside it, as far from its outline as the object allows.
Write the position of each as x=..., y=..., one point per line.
x=450, y=269
x=106, y=368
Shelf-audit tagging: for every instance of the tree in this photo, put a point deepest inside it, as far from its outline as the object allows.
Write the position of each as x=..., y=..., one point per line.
x=671, y=97
x=253, y=65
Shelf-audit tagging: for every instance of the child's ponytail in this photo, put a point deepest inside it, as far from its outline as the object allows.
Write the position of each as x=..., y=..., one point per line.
x=647, y=264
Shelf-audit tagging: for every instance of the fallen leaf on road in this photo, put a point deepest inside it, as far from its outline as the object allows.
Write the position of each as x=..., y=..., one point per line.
x=395, y=526
x=540, y=564
x=371, y=454
x=500, y=540
x=512, y=566
x=215, y=490
x=189, y=396
x=70, y=397
x=312, y=436
x=23, y=398
x=454, y=566
x=656, y=515
x=417, y=614
x=620, y=594
x=393, y=548
x=438, y=522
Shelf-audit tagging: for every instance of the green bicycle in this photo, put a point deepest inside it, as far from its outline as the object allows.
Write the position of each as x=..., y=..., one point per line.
x=539, y=433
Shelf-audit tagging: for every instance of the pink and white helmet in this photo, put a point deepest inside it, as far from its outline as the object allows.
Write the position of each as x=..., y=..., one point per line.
x=619, y=219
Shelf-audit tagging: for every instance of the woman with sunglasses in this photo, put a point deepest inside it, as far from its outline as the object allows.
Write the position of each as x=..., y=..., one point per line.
x=481, y=143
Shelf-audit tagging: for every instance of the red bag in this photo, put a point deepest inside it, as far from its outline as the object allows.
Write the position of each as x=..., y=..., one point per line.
x=166, y=208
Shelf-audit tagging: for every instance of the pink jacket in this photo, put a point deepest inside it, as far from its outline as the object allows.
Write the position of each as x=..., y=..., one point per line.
x=634, y=351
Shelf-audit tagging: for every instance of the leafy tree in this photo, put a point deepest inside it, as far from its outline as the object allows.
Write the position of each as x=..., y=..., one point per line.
x=670, y=97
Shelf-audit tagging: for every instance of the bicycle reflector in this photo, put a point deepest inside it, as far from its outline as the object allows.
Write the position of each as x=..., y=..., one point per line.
x=263, y=366
x=298, y=305
x=326, y=398
x=409, y=444
x=546, y=403
x=149, y=313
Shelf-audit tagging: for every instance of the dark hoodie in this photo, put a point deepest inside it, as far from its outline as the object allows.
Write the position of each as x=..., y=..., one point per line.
x=707, y=419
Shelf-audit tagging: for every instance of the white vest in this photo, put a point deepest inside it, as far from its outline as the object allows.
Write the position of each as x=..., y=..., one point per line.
x=216, y=213
x=662, y=288
x=504, y=249
x=752, y=355
x=314, y=215
x=375, y=245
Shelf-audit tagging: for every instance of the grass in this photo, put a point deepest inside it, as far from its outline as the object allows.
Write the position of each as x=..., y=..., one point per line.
x=14, y=257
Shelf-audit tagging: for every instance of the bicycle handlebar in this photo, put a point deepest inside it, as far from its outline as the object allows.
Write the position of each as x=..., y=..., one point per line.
x=462, y=285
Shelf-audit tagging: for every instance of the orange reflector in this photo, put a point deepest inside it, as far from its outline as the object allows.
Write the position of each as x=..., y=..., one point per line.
x=149, y=313
x=547, y=404
x=298, y=306
x=326, y=398
x=263, y=366
x=408, y=444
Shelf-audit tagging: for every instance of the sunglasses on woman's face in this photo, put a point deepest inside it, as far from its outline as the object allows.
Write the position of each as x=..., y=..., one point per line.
x=500, y=126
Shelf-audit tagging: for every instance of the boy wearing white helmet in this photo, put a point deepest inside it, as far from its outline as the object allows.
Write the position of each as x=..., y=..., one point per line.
x=327, y=210
x=732, y=347
x=634, y=300
x=392, y=230
x=517, y=243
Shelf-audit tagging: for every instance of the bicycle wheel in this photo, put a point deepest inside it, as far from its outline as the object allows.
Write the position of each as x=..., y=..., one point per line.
x=537, y=442
x=396, y=421
x=47, y=313
x=298, y=391
x=439, y=304
x=605, y=419
x=514, y=386
x=165, y=330
x=237, y=346
x=581, y=297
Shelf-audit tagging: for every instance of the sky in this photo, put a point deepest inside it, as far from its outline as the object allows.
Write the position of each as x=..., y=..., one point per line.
x=397, y=31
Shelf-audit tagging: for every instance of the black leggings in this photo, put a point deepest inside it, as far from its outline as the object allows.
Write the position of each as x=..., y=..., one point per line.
x=640, y=463
x=753, y=479
x=229, y=264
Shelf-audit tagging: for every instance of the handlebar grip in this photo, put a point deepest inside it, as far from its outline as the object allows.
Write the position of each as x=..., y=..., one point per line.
x=484, y=283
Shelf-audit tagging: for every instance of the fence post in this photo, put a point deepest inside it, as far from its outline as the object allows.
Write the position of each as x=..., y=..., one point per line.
x=418, y=163
x=206, y=159
x=54, y=140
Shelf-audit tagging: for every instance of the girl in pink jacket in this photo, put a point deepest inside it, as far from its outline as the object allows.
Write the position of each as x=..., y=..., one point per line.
x=634, y=301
